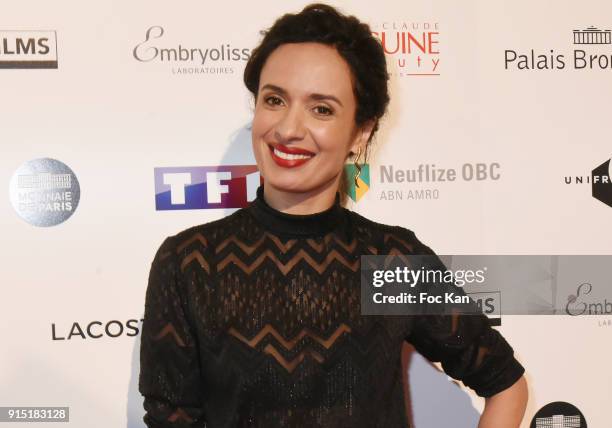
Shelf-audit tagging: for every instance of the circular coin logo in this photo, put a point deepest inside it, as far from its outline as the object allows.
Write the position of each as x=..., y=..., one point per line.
x=44, y=192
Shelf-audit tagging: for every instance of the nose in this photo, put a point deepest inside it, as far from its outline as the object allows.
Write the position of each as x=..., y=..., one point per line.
x=290, y=125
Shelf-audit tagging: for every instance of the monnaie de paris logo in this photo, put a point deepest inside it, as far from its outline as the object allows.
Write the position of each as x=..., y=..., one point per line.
x=44, y=192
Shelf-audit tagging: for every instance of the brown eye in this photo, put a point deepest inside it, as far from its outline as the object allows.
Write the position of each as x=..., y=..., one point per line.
x=273, y=101
x=323, y=110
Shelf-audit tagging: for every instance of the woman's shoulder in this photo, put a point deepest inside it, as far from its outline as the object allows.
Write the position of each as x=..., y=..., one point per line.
x=393, y=236
x=203, y=236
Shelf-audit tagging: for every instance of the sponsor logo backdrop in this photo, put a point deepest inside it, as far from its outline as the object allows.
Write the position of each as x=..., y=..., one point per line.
x=124, y=122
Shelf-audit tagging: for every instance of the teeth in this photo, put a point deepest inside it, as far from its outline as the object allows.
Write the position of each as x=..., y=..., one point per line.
x=290, y=156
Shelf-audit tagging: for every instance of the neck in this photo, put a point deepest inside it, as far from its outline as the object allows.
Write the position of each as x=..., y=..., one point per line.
x=301, y=203
x=314, y=223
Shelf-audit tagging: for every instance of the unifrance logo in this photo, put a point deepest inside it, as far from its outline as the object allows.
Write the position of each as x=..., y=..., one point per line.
x=600, y=181
x=28, y=49
x=413, y=46
x=592, y=52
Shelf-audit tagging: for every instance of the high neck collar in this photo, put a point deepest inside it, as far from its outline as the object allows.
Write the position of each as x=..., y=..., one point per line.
x=295, y=224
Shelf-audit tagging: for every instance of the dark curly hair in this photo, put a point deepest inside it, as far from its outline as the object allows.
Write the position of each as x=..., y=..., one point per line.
x=321, y=23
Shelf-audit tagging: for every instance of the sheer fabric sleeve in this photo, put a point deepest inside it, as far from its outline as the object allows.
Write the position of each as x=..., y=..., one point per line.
x=466, y=345
x=169, y=377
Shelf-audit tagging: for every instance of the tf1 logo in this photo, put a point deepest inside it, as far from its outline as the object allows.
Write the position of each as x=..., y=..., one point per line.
x=201, y=187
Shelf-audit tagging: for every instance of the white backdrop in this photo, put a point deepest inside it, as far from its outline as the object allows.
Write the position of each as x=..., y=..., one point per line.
x=113, y=118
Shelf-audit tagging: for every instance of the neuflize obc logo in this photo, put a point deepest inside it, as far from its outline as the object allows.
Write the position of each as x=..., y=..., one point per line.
x=44, y=192
x=28, y=49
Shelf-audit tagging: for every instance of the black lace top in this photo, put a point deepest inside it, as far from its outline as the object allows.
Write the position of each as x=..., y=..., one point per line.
x=254, y=320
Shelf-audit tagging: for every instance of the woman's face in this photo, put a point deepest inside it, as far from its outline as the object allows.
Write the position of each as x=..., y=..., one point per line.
x=305, y=109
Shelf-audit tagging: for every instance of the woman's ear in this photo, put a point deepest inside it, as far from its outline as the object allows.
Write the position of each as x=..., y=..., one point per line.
x=362, y=136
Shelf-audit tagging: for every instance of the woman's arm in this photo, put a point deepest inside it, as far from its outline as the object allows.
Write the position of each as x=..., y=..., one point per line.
x=170, y=379
x=506, y=408
x=470, y=350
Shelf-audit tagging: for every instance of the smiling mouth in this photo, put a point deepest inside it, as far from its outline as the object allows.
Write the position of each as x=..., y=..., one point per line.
x=289, y=160
x=290, y=156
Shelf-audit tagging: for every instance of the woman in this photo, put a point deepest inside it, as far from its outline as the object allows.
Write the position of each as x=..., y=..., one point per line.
x=254, y=320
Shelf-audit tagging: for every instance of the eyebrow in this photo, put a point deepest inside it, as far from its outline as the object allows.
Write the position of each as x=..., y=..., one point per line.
x=318, y=97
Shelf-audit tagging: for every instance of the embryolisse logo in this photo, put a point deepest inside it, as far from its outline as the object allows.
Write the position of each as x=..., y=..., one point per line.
x=580, y=304
x=413, y=46
x=187, y=59
x=592, y=52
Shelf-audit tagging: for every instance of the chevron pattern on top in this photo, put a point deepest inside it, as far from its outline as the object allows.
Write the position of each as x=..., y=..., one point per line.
x=286, y=267
x=169, y=330
x=198, y=237
x=289, y=344
x=195, y=255
x=210, y=353
x=180, y=415
x=248, y=249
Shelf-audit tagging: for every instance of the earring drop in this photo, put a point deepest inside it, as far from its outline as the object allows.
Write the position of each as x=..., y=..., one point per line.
x=358, y=167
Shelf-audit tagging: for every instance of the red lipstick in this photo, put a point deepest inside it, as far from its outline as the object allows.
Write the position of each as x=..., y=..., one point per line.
x=289, y=163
